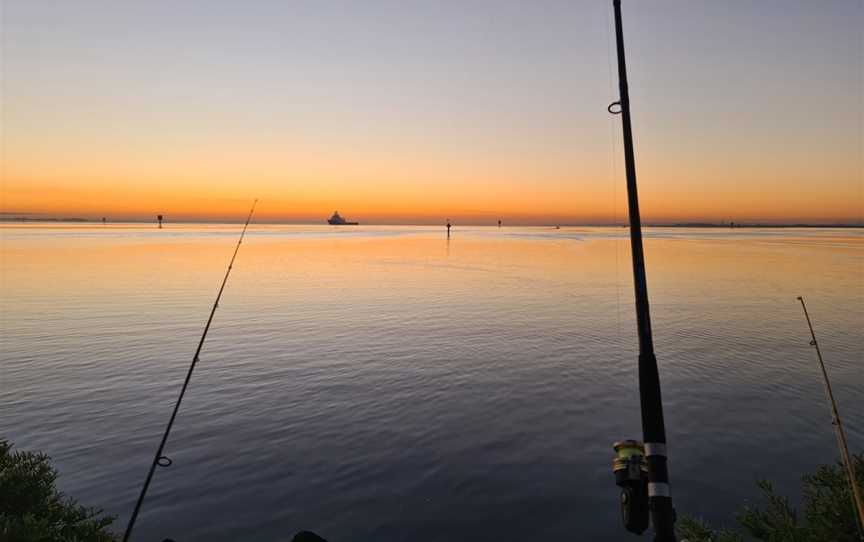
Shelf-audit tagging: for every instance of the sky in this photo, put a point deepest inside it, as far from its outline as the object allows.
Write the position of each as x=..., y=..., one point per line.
x=414, y=112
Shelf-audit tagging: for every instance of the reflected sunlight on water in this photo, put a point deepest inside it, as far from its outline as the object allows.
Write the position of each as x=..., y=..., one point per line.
x=382, y=383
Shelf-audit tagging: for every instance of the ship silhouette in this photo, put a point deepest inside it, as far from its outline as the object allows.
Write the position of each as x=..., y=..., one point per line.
x=337, y=220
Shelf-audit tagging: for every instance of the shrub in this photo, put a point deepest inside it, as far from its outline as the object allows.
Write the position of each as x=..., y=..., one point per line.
x=828, y=512
x=31, y=508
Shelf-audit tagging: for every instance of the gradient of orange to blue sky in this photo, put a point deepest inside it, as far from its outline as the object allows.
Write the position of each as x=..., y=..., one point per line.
x=404, y=111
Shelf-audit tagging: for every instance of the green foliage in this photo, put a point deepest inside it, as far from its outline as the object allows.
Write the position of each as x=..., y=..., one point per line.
x=828, y=513
x=31, y=508
x=777, y=522
x=693, y=530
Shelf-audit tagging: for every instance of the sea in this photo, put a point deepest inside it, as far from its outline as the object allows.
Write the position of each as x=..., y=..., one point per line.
x=386, y=383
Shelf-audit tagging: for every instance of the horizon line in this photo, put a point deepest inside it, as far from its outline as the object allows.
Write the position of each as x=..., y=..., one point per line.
x=5, y=217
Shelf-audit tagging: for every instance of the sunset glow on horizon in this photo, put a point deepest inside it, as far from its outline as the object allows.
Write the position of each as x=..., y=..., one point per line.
x=415, y=113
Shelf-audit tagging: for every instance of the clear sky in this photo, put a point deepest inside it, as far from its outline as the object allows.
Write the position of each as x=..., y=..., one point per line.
x=404, y=111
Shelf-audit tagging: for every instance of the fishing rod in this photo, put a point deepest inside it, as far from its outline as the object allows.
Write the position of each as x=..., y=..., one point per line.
x=838, y=427
x=641, y=469
x=159, y=459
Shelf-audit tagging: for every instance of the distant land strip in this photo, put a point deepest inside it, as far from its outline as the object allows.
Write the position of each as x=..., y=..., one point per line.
x=38, y=219
x=4, y=217
x=754, y=225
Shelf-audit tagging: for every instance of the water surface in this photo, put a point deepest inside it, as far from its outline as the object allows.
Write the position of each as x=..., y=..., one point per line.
x=382, y=383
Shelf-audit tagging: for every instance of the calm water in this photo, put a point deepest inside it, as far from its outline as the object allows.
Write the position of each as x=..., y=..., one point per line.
x=380, y=383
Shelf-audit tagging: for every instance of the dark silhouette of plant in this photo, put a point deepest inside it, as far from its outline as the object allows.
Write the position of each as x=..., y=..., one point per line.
x=31, y=508
x=693, y=530
x=827, y=514
x=830, y=514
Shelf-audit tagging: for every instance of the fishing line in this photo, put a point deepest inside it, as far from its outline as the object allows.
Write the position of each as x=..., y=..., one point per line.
x=613, y=153
x=861, y=114
x=159, y=459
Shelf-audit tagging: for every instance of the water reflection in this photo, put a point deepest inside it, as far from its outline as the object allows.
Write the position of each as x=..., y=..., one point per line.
x=374, y=383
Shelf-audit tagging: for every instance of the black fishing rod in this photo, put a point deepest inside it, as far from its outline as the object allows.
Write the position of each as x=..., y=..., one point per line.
x=641, y=470
x=159, y=459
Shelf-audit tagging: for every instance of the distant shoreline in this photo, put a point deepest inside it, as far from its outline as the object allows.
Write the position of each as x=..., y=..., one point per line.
x=736, y=226
x=32, y=219
x=78, y=220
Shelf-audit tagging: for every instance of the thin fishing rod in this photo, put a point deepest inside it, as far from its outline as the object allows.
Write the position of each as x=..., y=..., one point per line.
x=653, y=428
x=159, y=459
x=838, y=426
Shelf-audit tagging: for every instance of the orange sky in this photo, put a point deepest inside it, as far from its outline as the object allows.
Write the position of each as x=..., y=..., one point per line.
x=215, y=183
x=134, y=114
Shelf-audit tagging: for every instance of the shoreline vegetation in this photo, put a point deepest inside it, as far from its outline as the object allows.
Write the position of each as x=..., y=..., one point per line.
x=725, y=225
x=827, y=512
x=32, y=508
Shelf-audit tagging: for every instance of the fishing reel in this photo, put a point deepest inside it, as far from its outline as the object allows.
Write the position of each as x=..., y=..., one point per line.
x=631, y=475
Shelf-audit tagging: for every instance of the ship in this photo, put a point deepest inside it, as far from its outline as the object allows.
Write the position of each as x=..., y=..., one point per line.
x=338, y=220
